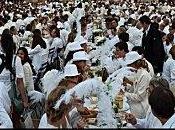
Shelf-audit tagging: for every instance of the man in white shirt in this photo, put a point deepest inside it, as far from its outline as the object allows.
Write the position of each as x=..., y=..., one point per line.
x=162, y=102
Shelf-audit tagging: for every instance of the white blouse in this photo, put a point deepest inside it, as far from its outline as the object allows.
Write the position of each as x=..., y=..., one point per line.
x=37, y=55
x=28, y=77
x=5, y=74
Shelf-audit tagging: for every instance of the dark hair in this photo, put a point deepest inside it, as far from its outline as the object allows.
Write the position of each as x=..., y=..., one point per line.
x=57, y=31
x=6, y=31
x=8, y=47
x=51, y=101
x=122, y=46
x=139, y=49
x=170, y=38
x=28, y=27
x=123, y=37
x=37, y=39
x=159, y=82
x=12, y=28
x=145, y=19
x=26, y=58
x=162, y=102
x=141, y=63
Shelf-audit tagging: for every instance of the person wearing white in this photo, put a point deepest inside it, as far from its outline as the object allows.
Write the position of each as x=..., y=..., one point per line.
x=36, y=55
x=116, y=61
x=71, y=77
x=5, y=104
x=150, y=121
x=168, y=68
x=162, y=102
x=140, y=81
x=28, y=74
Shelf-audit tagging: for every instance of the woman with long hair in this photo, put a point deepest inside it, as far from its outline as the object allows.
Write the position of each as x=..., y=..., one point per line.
x=12, y=69
x=38, y=48
x=28, y=68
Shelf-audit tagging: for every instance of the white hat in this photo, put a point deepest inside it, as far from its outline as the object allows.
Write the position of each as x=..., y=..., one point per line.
x=80, y=55
x=70, y=70
x=74, y=46
x=60, y=25
x=131, y=57
x=81, y=40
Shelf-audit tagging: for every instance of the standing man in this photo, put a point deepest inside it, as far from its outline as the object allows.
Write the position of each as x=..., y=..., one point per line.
x=152, y=44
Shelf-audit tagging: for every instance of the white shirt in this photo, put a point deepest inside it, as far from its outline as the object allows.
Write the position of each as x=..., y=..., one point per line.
x=5, y=74
x=167, y=49
x=38, y=56
x=135, y=36
x=112, y=65
x=64, y=36
x=149, y=122
x=5, y=104
x=169, y=70
x=67, y=26
x=170, y=123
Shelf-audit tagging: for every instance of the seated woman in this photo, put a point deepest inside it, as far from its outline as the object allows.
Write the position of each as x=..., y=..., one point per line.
x=55, y=118
x=70, y=80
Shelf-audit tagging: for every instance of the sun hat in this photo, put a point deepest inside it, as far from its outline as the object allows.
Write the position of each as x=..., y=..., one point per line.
x=80, y=55
x=73, y=46
x=131, y=57
x=81, y=40
x=70, y=70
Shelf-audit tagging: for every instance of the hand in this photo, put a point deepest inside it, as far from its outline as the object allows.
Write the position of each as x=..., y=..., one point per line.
x=25, y=104
x=81, y=123
x=127, y=81
x=83, y=110
x=130, y=118
x=121, y=92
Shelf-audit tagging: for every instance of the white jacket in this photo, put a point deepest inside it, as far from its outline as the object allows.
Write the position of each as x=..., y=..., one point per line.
x=138, y=100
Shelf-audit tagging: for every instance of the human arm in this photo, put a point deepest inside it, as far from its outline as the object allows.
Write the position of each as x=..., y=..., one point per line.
x=141, y=86
x=19, y=81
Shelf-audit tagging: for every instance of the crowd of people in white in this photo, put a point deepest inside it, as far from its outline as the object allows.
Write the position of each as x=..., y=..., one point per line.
x=56, y=57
